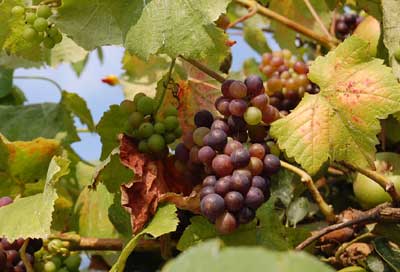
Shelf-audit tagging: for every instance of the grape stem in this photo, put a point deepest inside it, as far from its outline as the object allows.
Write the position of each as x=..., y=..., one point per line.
x=385, y=183
x=58, y=86
x=326, y=209
x=289, y=23
x=252, y=11
x=318, y=19
x=22, y=254
x=204, y=69
x=169, y=76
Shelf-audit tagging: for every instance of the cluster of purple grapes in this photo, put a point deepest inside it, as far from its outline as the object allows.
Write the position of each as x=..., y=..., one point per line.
x=287, y=79
x=345, y=24
x=10, y=255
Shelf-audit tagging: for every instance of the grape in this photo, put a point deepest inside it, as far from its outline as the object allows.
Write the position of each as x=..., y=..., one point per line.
x=270, y=114
x=220, y=124
x=30, y=34
x=286, y=54
x=255, y=166
x=282, y=68
x=127, y=107
x=206, y=191
x=72, y=262
x=252, y=116
x=187, y=139
x=342, y=28
x=254, y=85
x=143, y=147
x=171, y=123
x=258, y=133
x=240, y=136
x=257, y=150
x=240, y=183
x=234, y=201
x=57, y=38
x=212, y=206
x=273, y=148
x=53, y=32
x=272, y=164
x=178, y=132
x=156, y=143
x=5, y=200
x=49, y=266
x=17, y=244
x=300, y=67
x=261, y=183
x=350, y=18
x=225, y=88
x=17, y=11
x=266, y=58
x=171, y=111
x=30, y=18
x=48, y=43
x=237, y=107
x=254, y=198
x=226, y=223
x=145, y=105
x=182, y=152
x=246, y=215
x=268, y=70
x=222, y=105
x=236, y=123
x=169, y=137
x=136, y=119
x=274, y=84
x=194, y=155
x=137, y=97
x=243, y=171
x=159, y=128
x=232, y=146
x=34, y=245
x=209, y=181
x=40, y=24
x=5, y=244
x=303, y=80
x=273, y=101
x=203, y=118
x=216, y=138
x=20, y=267
x=222, y=165
x=12, y=256
x=237, y=89
x=146, y=130
x=43, y=11
x=276, y=61
x=240, y=157
x=198, y=135
x=3, y=260
x=292, y=95
x=206, y=154
x=260, y=101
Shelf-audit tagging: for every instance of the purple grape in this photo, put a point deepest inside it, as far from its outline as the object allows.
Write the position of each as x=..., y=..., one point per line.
x=203, y=118
x=245, y=215
x=237, y=107
x=220, y=124
x=226, y=223
x=222, y=106
x=216, y=139
x=5, y=200
x=254, y=85
x=237, y=89
x=206, y=191
x=3, y=260
x=262, y=184
x=236, y=123
x=209, y=181
x=232, y=146
x=12, y=257
x=244, y=172
x=212, y=206
x=223, y=185
x=272, y=164
x=206, y=154
x=234, y=201
x=240, y=183
x=254, y=198
x=182, y=153
x=240, y=157
x=225, y=88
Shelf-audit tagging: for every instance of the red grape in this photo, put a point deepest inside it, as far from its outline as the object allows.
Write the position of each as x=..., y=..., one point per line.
x=226, y=223
x=257, y=150
x=223, y=185
x=240, y=183
x=225, y=88
x=238, y=89
x=220, y=124
x=254, y=198
x=272, y=164
x=237, y=107
x=233, y=201
x=260, y=101
x=222, y=106
x=206, y=191
x=209, y=181
x=206, y=154
x=255, y=166
x=254, y=85
x=232, y=146
x=212, y=206
x=222, y=165
x=240, y=157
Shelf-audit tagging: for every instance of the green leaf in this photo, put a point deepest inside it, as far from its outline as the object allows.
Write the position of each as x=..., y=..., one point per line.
x=255, y=37
x=15, y=98
x=284, y=184
x=79, y=66
x=242, y=259
x=119, y=217
x=341, y=122
x=250, y=67
x=38, y=208
x=391, y=28
x=387, y=252
x=372, y=7
x=299, y=209
x=6, y=80
x=178, y=27
x=389, y=230
x=13, y=62
x=164, y=221
x=46, y=120
x=67, y=51
x=376, y=264
x=76, y=105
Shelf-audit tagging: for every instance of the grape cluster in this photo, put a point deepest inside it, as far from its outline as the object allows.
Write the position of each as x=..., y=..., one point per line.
x=38, y=29
x=287, y=79
x=152, y=134
x=10, y=252
x=345, y=24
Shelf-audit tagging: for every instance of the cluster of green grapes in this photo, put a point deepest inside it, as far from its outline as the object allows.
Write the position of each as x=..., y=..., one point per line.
x=152, y=133
x=287, y=79
x=55, y=257
x=38, y=29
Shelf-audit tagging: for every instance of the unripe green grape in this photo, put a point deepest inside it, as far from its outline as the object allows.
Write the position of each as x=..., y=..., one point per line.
x=57, y=261
x=253, y=116
x=17, y=11
x=146, y=130
x=171, y=123
x=64, y=269
x=48, y=43
x=52, y=31
x=44, y=11
x=171, y=111
x=55, y=245
x=72, y=262
x=145, y=105
x=57, y=38
x=136, y=119
x=40, y=24
x=50, y=267
x=159, y=128
x=126, y=106
x=137, y=97
x=30, y=18
x=40, y=37
x=29, y=34
x=156, y=143
x=170, y=137
x=397, y=55
x=143, y=147
x=178, y=132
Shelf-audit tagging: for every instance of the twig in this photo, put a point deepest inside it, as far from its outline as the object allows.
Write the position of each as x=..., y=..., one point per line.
x=326, y=209
x=195, y=80
x=381, y=213
x=264, y=29
x=41, y=78
x=318, y=19
x=204, y=69
x=22, y=254
x=289, y=23
x=251, y=13
x=385, y=183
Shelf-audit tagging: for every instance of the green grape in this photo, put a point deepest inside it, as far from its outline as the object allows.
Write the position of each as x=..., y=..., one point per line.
x=143, y=147
x=44, y=11
x=171, y=123
x=40, y=24
x=126, y=106
x=253, y=116
x=136, y=119
x=40, y=37
x=135, y=134
x=63, y=269
x=30, y=18
x=72, y=262
x=156, y=143
x=146, y=130
x=169, y=137
x=145, y=105
x=48, y=43
x=159, y=128
x=57, y=261
x=57, y=38
x=397, y=55
x=17, y=11
x=30, y=34
x=178, y=132
x=50, y=267
x=52, y=31
x=137, y=97
x=55, y=245
x=171, y=111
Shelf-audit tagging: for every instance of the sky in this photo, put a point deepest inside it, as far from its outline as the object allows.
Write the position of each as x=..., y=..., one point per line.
x=99, y=96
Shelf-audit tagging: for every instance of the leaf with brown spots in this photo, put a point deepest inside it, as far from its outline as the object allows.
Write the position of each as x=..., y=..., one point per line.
x=341, y=122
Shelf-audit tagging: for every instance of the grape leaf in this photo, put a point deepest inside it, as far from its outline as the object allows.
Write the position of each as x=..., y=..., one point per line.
x=79, y=66
x=13, y=62
x=119, y=217
x=372, y=7
x=6, y=80
x=38, y=208
x=164, y=221
x=243, y=259
x=67, y=51
x=16, y=97
x=387, y=252
x=76, y=105
x=341, y=122
x=391, y=28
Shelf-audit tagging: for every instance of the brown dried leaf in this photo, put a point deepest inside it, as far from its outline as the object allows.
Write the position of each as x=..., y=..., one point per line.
x=189, y=203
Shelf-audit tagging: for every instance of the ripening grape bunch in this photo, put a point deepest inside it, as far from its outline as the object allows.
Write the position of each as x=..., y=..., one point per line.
x=287, y=79
x=37, y=27
x=151, y=133
x=345, y=24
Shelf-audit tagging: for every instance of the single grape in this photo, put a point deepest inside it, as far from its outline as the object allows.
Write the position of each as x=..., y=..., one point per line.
x=286, y=54
x=178, y=132
x=260, y=101
x=203, y=118
x=146, y=130
x=240, y=157
x=206, y=191
x=40, y=24
x=246, y=215
x=209, y=180
x=145, y=105
x=12, y=256
x=276, y=61
x=17, y=11
x=198, y=135
x=136, y=119
x=156, y=143
x=29, y=34
x=194, y=155
x=268, y=70
x=274, y=84
x=72, y=262
x=254, y=85
x=159, y=128
x=49, y=266
x=212, y=206
x=225, y=88
x=272, y=164
x=238, y=89
x=234, y=201
x=257, y=150
x=255, y=166
x=300, y=67
x=169, y=137
x=220, y=124
x=261, y=183
x=206, y=154
x=34, y=245
x=266, y=58
x=222, y=165
x=243, y=171
x=236, y=123
x=137, y=97
x=216, y=139
x=231, y=146
x=30, y=18
x=171, y=111
x=240, y=183
x=222, y=105
x=48, y=42
x=127, y=107
x=270, y=114
x=252, y=116
x=5, y=200
x=57, y=38
x=143, y=147
x=226, y=223
x=237, y=107
x=53, y=32
x=254, y=198
x=257, y=133
x=43, y=11
x=171, y=123
x=342, y=28
x=182, y=152
x=5, y=244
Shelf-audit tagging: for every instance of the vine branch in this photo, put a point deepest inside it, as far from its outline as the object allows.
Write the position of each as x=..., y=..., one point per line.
x=58, y=86
x=288, y=22
x=318, y=19
x=326, y=209
x=204, y=69
x=24, y=259
x=251, y=13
